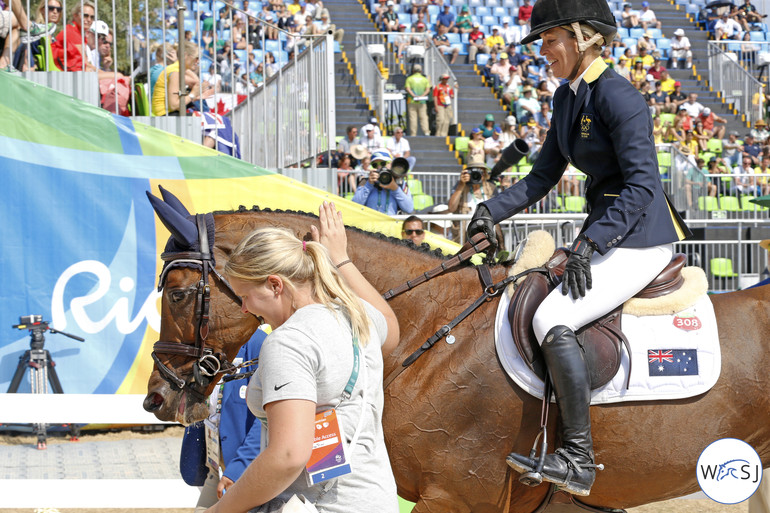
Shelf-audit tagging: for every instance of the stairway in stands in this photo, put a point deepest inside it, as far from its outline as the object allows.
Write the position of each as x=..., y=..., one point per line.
x=432, y=153
x=673, y=17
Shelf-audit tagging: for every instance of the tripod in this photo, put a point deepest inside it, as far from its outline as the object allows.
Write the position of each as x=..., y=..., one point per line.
x=41, y=371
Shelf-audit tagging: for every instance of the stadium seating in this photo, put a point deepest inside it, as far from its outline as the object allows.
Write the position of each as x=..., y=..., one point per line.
x=722, y=268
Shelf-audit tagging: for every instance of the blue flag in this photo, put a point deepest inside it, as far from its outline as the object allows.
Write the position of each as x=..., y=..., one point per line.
x=673, y=362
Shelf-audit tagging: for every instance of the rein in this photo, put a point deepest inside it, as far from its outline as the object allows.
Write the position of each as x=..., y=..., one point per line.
x=491, y=290
x=208, y=364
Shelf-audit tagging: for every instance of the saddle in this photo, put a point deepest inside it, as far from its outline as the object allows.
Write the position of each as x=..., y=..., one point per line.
x=601, y=339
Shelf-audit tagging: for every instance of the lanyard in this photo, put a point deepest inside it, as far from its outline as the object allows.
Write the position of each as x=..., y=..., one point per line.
x=353, y=375
x=379, y=199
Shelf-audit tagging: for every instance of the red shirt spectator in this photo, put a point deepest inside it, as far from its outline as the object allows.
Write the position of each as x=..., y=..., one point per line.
x=74, y=35
x=525, y=11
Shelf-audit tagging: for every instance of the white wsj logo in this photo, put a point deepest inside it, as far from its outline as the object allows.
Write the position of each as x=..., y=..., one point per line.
x=729, y=471
x=120, y=311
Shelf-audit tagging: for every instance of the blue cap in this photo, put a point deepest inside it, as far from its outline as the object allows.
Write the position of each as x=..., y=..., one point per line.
x=476, y=130
x=498, y=130
x=645, y=4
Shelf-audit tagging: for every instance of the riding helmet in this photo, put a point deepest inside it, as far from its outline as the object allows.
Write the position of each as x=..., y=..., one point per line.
x=547, y=14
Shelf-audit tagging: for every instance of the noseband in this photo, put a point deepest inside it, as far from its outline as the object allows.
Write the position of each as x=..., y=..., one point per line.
x=208, y=363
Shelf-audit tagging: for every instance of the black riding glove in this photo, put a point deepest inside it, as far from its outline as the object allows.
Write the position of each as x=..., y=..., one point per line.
x=482, y=222
x=577, y=272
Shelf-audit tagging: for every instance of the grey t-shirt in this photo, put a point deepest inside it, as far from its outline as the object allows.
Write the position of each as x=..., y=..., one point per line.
x=311, y=357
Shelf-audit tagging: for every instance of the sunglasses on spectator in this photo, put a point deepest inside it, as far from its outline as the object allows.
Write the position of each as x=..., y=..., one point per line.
x=378, y=164
x=414, y=232
x=88, y=16
x=54, y=8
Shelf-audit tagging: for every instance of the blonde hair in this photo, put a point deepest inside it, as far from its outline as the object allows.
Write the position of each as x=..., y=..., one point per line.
x=586, y=35
x=275, y=251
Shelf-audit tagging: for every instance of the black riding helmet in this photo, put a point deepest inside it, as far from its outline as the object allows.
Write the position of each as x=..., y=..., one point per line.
x=547, y=14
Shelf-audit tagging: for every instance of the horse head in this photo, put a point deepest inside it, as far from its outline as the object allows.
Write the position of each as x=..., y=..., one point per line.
x=188, y=362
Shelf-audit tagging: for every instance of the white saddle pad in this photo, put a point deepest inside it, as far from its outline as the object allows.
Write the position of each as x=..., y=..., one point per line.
x=674, y=356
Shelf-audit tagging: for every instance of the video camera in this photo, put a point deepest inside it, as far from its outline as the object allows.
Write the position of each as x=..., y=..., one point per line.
x=31, y=322
x=399, y=168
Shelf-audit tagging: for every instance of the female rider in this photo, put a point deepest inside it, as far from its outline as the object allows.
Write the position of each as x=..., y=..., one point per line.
x=602, y=126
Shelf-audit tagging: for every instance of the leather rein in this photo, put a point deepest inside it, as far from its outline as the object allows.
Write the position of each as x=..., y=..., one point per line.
x=476, y=244
x=208, y=363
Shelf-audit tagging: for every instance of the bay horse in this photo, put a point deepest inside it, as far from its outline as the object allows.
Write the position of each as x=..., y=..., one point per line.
x=451, y=418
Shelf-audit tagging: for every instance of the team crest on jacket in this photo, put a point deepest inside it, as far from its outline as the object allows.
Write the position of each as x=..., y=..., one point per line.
x=585, y=126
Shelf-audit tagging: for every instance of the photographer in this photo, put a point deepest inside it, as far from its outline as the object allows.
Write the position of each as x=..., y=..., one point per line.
x=385, y=190
x=472, y=188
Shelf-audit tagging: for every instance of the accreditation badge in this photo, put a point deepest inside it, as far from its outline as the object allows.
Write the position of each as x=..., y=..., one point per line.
x=328, y=459
x=586, y=120
x=212, y=443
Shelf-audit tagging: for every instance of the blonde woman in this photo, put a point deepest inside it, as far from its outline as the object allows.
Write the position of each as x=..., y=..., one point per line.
x=169, y=104
x=322, y=311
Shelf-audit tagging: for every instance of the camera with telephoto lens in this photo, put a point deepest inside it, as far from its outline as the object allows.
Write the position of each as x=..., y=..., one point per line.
x=398, y=169
x=476, y=172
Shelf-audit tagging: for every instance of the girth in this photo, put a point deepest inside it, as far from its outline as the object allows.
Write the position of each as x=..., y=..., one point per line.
x=601, y=339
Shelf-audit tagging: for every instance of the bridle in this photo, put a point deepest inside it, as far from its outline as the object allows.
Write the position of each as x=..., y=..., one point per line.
x=208, y=363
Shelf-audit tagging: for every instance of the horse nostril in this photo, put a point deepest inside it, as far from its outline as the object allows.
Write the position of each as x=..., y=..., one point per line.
x=153, y=402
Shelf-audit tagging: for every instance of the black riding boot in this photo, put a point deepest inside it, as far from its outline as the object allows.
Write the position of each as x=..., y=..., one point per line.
x=571, y=467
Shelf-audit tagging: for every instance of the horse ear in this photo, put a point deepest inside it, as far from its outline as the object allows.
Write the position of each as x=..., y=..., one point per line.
x=173, y=201
x=184, y=231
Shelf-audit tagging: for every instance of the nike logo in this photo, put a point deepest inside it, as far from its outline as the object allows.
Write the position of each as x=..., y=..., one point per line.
x=277, y=388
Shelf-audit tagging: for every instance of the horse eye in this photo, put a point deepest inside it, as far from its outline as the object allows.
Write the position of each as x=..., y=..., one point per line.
x=177, y=295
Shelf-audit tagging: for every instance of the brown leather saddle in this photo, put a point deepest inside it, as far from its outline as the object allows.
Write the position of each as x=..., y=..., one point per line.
x=600, y=339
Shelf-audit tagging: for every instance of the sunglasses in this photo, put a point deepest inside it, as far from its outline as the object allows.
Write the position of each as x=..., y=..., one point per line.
x=54, y=8
x=414, y=232
x=88, y=16
x=378, y=164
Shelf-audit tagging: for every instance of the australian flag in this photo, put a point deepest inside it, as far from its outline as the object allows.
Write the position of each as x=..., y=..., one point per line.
x=673, y=362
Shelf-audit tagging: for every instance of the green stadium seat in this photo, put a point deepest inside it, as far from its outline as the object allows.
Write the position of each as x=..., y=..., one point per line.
x=349, y=196
x=707, y=203
x=415, y=186
x=748, y=205
x=422, y=201
x=714, y=146
x=729, y=203
x=722, y=268
x=664, y=162
x=667, y=117
x=574, y=203
x=461, y=144
x=141, y=100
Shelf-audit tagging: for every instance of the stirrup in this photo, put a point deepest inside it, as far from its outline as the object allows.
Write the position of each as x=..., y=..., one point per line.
x=534, y=477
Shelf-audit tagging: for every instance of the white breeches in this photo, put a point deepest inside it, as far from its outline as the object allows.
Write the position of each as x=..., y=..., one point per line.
x=617, y=276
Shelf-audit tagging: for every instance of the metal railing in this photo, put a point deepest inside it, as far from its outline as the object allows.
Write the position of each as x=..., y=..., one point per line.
x=379, y=61
x=733, y=70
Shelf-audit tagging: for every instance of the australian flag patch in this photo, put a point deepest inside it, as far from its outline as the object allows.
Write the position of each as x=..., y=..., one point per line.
x=673, y=362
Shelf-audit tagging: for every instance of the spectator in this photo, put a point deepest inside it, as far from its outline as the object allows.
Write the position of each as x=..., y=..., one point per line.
x=413, y=229
x=751, y=148
x=543, y=118
x=446, y=18
x=441, y=40
x=638, y=73
x=389, y=18
x=501, y=71
x=764, y=175
x=688, y=145
x=525, y=12
x=727, y=28
x=74, y=53
x=624, y=67
x=48, y=11
x=701, y=135
x=629, y=18
x=658, y=130
x=326, y=25
x=657, y=69
x=646, y=42
x=676, y=96
x=647, y=17
x=346, y=176
x=495, y=41
x=743, y=181
x=488, y=125
x=680, y=49
x=508, y=134
x=464, y=22
x=512, y=34
x=493, y=146
x=717, y=185
x=476, y=43
x=530, y=132
x=165, y=54
x=419, y=7
x=399, y=147
x=659, y=100
x=472, y=188
x=750, y=13
x=351, y=134
x=692, y=106
x=511, y=90
x=417, y=88
x=370, y=140
x=709, y=120
x=389, y=198
x=443, y=99
x=170, y=13
x=165, y=99
x=760, y=131
x=373, y=122
x=647, y=59
x=731, y=149
x=476, y=147
x=527, y=105
x=236, y=430
x=682, y=122
x=295, y=6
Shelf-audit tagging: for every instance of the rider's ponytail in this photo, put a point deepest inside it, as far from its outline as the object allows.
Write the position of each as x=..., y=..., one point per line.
x=274, y=251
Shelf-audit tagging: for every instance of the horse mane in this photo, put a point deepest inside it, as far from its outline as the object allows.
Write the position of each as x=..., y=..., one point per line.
x=422, y=248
